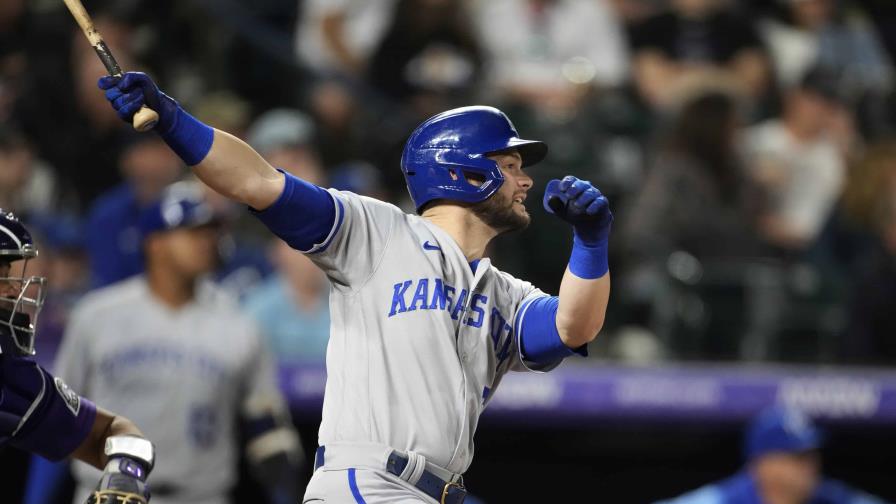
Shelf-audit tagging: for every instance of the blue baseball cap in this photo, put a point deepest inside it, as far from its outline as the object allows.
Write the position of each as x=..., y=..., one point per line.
x=182, y=205
x=781, y=429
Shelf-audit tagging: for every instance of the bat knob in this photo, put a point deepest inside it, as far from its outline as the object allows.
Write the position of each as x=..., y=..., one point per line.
x=145, y=119
x=557, y=205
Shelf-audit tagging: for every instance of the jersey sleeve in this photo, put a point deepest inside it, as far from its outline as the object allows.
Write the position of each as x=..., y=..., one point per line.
x=343, y=233
x=39, y=413
x=526, y=318
x=359, y=241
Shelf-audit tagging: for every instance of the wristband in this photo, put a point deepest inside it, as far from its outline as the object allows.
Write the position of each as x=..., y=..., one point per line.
x=189, y=138
x=589, y=261
x=131, y=447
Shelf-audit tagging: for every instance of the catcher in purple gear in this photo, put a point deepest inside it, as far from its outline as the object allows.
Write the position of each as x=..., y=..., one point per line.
x=39, y=413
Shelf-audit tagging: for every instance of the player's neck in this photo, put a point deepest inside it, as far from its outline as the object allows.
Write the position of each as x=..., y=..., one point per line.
x=174, y=291
x=468, y=231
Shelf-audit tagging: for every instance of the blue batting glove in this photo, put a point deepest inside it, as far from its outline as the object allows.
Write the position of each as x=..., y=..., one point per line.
x=188, y=137
x=133, y=90
x=582, y=205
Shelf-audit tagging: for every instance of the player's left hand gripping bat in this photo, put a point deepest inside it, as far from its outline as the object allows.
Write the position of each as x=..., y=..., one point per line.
x=145, y=118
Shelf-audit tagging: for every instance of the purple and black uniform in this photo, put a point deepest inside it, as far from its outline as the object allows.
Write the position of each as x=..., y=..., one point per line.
x=39, y=413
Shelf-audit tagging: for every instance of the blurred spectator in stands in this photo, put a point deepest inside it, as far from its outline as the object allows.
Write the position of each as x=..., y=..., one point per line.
x=64, y=262
x=872, y=323
x=551, y=53
x=832, y=35
x=337, y=36
x=695, y=43
x=883, y=14
x=696, y=197
x=27, y=186
x=693, y=221
x=284, y=137
x=113, y=241
x=344, y=116
x=800, y=161
x=783, y=466
x=242, y=261
x=292, y=307
x=849, y=237
x=225, y=111
x=70, y=123
x=429, y=57
x=173, y=352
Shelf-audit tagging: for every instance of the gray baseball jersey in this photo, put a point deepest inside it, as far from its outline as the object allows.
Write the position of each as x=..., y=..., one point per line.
x=419, y=339
x=183, y=376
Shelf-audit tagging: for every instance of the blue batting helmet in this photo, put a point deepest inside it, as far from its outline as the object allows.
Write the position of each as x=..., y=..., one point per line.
x=21, y=297
x=448, y=146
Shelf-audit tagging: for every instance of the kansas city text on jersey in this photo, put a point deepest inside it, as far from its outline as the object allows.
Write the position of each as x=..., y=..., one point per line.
x=435, y=294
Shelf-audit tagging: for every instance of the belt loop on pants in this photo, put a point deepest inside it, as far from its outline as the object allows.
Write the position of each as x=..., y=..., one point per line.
x=440, y=484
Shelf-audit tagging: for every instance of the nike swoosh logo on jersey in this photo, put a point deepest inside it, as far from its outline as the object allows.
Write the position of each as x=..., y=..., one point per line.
x=430, y=246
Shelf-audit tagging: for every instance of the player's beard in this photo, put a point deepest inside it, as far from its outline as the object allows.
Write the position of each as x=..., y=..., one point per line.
x=499, y=213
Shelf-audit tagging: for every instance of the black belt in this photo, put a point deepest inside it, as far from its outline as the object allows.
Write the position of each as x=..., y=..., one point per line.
x=444, y=492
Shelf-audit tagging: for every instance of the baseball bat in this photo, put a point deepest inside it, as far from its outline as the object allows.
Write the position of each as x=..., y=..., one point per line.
x=145, y=118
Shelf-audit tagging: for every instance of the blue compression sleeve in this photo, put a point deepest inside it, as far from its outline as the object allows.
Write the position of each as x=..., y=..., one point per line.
x=189, y=138
x=588, y=261
x=540, y=341
x=305, y=216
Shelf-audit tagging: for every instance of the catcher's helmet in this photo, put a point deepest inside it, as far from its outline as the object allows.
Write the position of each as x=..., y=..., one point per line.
x=22, y=296
x=447, y=146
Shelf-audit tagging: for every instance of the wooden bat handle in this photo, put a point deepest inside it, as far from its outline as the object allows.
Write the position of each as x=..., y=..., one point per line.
x=145, y=119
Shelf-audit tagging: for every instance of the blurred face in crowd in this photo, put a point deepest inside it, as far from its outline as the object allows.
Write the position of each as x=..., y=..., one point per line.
x=810, y=112
x=332, y=105
x=506, y=210
x=150, y=166
x=787, y=478
x=298, y=160
x=811, y=14
x=184, y=252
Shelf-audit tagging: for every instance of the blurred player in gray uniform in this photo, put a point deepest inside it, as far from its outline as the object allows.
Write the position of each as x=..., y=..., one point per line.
x=423, y=326
x=176, y=355
x=39, y=413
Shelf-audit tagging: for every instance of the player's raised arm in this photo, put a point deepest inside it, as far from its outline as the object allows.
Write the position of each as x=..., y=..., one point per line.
x=223, y=162
x=585, y=289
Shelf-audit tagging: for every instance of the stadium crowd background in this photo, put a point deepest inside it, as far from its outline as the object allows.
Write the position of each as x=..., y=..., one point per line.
x=748, y=149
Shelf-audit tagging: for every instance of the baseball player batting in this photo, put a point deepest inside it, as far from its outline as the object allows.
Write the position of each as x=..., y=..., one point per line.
x=423, y=326
x=39, y=413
